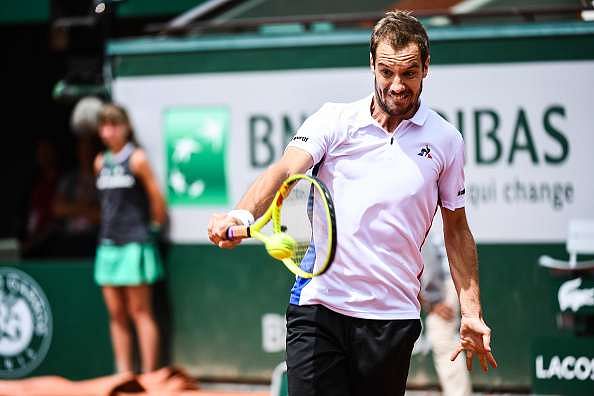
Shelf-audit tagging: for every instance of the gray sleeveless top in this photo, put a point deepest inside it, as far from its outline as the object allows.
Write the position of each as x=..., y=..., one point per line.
x=125, y=215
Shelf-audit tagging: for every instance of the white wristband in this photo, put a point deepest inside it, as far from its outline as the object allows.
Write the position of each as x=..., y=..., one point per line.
x=242, y=215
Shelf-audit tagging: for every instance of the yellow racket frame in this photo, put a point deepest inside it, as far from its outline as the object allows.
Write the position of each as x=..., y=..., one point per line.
x=274, y=213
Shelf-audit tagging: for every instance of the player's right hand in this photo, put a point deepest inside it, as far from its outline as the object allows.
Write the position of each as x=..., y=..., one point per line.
x=217, y=230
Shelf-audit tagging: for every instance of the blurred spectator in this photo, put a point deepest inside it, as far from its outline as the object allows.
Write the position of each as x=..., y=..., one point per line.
x=63, y=219
x=40, y=219
x=440, y=302
x=76, y=205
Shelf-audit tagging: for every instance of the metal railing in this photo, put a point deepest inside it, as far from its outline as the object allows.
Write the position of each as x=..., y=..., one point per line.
x=524, y=14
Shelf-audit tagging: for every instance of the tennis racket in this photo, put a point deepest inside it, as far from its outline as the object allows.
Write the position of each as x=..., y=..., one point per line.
x=303, y=226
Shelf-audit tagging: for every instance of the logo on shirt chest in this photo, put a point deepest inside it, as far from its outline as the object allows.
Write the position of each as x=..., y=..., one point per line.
x=425, y=152
x=114, y=178
x=427, y=160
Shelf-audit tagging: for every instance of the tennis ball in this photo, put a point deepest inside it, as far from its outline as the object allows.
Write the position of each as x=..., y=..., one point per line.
x=281, y=246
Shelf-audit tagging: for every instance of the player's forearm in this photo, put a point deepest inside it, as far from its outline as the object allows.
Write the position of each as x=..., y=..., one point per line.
x=461, y=250
x=260, y=194
x=158, y=212
x=158, y=207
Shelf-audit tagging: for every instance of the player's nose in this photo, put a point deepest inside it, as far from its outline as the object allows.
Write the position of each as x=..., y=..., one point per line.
x=397, y=87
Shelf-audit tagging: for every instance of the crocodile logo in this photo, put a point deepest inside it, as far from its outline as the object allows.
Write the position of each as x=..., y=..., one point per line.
x=572, y=297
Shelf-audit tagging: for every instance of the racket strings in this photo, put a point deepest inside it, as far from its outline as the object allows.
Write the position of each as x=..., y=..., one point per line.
x=303, y=217
x=300, y=251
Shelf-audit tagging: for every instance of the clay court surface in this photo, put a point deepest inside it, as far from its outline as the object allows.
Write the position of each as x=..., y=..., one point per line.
x=230, y=393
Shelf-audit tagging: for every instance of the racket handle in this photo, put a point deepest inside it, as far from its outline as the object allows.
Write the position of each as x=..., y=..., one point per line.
x=238, y=232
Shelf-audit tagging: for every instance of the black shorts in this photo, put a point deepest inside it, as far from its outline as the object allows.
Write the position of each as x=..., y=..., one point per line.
x=332, y=354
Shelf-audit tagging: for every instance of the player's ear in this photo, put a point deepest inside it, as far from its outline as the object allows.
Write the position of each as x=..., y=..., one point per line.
x=426, y=66
x=371, y=65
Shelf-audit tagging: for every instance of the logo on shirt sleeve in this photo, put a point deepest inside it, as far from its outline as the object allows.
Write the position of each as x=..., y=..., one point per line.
x=302, y=138
x=425, y=152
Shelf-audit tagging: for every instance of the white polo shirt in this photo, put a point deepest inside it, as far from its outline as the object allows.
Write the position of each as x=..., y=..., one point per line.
x=386, y=188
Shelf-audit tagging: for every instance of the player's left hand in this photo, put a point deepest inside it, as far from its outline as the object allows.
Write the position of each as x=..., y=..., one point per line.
x=475, y=339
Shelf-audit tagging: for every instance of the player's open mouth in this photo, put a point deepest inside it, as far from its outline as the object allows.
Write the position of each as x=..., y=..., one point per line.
x=400, y=98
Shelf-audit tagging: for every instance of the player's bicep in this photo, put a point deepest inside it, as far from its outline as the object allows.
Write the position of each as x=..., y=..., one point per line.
x=296, y=160
x=454, y=221
x=141, y=168
x=146, y=176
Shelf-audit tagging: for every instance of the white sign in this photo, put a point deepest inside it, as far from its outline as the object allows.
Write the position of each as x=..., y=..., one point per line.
x=274, y=332
x=565, y=368
x=528, y=129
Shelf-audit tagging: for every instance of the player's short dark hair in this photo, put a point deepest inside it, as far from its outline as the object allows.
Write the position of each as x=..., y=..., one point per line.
x=400, y=28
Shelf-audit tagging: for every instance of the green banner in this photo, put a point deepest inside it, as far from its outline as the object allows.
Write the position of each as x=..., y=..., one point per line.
x=195, y=142
x=563, y=365
x=575, y=293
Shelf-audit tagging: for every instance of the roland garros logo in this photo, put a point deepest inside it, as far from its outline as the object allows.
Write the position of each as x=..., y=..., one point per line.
x=25, y=324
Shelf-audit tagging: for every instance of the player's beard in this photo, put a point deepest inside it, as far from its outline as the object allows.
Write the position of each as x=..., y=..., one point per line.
x=403, y=112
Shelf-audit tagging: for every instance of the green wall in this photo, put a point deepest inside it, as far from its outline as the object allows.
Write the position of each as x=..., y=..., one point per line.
x=215, y=300
x=31, y=11
x=143, y=8
x=80, y=347
x=218, y=298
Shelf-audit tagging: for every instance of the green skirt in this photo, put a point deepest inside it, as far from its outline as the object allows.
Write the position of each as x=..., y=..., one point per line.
x=131, y=264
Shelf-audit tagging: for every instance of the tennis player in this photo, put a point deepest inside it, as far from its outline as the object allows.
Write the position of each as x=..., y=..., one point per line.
x=127, y=262
x=388, y=161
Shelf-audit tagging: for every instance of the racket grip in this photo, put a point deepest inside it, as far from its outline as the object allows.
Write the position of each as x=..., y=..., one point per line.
x=238, y=232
